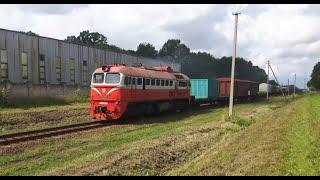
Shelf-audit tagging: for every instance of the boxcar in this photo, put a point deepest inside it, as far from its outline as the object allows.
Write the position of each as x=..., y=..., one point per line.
x=242, y=88
x=204, y=90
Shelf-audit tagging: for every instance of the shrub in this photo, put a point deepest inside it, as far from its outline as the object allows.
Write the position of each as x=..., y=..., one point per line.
x=242, y=122
x=3, y=97
x=78, y=96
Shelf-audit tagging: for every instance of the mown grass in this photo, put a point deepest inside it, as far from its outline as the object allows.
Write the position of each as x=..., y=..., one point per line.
x=285, y=141
x=302, y=143
x=257, y=150
x=148, y=146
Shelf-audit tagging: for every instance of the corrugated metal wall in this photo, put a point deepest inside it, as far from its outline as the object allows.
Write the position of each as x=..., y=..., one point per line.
x=16, y=43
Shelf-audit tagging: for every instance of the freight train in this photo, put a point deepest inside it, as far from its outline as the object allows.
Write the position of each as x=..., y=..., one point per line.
x=118, y=91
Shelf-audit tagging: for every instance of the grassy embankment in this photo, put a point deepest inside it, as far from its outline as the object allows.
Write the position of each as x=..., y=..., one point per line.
x=286, y=142
x=191, y=142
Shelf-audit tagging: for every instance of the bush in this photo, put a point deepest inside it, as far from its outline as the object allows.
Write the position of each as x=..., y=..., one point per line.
x=3, y=97
x=78, y=96
x=242, y=122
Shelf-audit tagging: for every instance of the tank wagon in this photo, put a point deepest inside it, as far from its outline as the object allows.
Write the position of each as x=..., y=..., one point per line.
x=119, y=90
x=273, y=89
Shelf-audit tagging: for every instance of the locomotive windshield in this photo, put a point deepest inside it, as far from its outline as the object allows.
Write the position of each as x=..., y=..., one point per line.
x=98, y=78
x=113, y=78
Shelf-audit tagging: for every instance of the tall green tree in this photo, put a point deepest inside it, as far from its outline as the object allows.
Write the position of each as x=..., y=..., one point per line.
x=174, y=49
x=89, y=38
x=315, y=77
x=146, y=50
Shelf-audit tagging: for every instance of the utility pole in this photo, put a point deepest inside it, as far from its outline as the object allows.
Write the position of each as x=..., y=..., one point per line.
x=304, y=84
x=233, y=64
x=294, y=86
x=288, y=87
x=268, y=81
x=275, y=77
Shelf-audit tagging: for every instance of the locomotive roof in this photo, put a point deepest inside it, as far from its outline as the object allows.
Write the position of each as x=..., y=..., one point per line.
x=144, y=72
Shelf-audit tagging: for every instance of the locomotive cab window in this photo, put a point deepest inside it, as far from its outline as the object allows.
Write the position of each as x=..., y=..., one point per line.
x=98, y=78
x=112, y=78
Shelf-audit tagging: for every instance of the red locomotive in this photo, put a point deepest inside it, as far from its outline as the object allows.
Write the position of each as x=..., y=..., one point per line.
x=120, y=90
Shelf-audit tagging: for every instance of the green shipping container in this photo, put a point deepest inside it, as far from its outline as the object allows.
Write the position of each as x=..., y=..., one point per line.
x=204, y=89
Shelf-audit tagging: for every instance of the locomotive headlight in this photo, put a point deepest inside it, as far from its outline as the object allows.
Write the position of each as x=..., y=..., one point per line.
x=103, y=103
x=117, y=102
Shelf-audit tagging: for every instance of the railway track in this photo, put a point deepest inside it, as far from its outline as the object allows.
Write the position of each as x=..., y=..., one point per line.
x=49, y=132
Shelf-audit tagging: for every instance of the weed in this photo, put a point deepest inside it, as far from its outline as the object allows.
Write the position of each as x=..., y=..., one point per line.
x=3, y=97
x=242, y=122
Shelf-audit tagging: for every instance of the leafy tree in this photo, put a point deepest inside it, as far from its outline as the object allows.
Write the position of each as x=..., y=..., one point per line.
x=174, y=49
x=131, y=52
x=115, y=48
x=72, y=39
x=89, y=38
x=309, y=84
x=315, y=77
x=30, y=33
x=204, y=65
x=146, y=50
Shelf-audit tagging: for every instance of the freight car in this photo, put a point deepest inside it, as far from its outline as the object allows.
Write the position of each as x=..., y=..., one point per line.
x=204, y=90
x=120, y=90
x=243, y=89
x=272, y=89
x=218, y=90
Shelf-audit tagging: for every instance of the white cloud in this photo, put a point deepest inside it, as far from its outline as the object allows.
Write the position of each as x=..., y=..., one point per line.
x=287, y=35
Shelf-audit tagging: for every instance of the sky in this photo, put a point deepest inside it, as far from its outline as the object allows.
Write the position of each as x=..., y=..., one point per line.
x=287, y=35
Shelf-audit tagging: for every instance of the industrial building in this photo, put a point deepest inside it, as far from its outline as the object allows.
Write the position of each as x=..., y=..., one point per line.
x=42, y=66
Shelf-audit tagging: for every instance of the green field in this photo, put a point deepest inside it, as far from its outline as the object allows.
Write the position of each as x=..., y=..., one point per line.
x=278, y=137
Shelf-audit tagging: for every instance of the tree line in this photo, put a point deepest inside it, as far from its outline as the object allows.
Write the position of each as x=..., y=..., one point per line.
x=314, y=82
x=194, y=64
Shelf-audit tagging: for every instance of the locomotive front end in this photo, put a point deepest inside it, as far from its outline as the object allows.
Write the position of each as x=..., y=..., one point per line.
x=106, y=96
